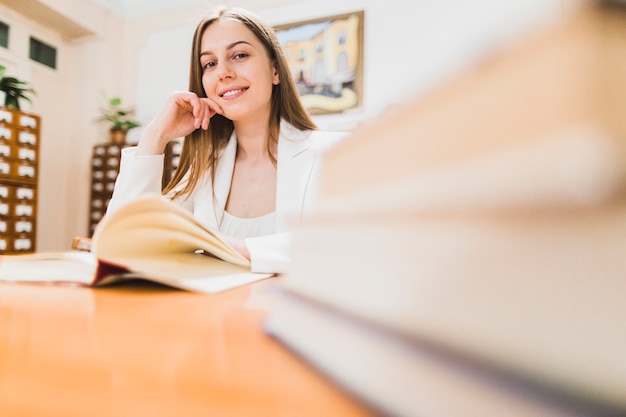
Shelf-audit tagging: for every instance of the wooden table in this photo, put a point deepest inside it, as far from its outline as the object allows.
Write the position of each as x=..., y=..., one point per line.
x=144, y=350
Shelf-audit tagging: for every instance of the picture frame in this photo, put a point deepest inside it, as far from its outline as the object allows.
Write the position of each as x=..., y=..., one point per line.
x=325, y=56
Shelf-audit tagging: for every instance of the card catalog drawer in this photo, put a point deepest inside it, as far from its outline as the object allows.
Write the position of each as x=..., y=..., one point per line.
x=5, y=243
x=24, y=209
x=5, y=150
x=113, y=161
x=97, y=162
x=99, y=151
x=111, y=175
x=26, y=137
x=6, y=115
x=7, y=133
x=29, y=121
x=22, y=243
x=25, y=170
x=24, y=193
x=6, y=192
x=5, y=166
x=23, y=225
x=26, y=154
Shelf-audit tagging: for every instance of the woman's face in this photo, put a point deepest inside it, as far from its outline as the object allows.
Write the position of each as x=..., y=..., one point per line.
x=237, y=71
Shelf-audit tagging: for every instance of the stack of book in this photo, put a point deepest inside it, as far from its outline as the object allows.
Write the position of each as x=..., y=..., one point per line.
x=468, y=255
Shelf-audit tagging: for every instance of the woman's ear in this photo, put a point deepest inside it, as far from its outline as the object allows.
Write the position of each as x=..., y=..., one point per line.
x=275, y=77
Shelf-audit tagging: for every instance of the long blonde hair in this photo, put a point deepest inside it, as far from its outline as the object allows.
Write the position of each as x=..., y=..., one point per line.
x=201, y=148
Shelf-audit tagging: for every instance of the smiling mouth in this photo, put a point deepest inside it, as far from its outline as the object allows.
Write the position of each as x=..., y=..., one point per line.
x=231, y=93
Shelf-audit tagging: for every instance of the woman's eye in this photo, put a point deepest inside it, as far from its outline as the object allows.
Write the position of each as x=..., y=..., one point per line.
x=240, y=55
x=209, y=64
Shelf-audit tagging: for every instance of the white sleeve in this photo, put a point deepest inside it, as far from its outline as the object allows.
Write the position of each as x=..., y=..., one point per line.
x=139, y=175
x=269, y=254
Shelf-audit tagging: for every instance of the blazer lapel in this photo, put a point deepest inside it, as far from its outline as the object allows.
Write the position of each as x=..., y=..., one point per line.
x=296, y=161
x=295, y=165
x=209, y=209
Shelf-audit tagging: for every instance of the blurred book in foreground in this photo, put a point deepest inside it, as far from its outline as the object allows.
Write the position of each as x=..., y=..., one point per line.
x=468, y=255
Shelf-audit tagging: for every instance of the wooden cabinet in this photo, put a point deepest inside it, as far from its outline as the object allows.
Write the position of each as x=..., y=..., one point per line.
x=105, y=165
x=19, y=166
x=172, y=155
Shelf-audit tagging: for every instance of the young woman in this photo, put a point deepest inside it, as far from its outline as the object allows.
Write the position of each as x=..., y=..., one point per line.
x=250, y=154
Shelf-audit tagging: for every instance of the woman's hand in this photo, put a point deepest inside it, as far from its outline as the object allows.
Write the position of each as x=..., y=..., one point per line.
x=182, y=113
x=238, y=244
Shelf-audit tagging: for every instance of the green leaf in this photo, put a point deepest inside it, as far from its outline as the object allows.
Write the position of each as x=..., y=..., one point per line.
x=15, y=89
x=116, y=116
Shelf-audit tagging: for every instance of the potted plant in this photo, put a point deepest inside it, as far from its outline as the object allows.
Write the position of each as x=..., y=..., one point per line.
x=120, y=119
x=14, y=90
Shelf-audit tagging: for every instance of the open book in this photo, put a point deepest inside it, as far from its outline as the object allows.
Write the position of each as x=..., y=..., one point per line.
x=150, y=238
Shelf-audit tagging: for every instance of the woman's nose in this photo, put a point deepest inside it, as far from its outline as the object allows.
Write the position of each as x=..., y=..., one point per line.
x=225, y=70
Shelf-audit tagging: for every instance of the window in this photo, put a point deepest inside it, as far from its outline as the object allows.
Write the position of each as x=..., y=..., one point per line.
x=342, y=36
x=4, y=35
x=43, y=53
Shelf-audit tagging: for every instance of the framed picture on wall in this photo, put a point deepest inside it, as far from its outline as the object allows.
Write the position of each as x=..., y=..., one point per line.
x=326, y=59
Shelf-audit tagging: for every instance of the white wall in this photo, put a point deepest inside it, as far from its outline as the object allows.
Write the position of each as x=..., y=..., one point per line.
x=410, y=48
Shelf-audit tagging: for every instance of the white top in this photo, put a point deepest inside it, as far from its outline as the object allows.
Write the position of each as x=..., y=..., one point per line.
x=248, y=227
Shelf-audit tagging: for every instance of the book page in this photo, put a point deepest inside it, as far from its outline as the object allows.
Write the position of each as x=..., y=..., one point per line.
x=49, y=267
x=153, y=225
x=190, y=271
x=138, y=235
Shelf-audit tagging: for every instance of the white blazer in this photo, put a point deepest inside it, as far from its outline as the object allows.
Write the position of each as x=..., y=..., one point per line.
x=298, y=165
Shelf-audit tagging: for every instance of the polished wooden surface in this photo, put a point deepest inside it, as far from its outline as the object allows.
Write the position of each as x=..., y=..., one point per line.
x=151, y=351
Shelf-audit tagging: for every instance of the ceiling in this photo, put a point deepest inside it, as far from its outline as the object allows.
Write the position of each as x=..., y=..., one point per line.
x=57, y=17
x=41, y=12
x=131, y=9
